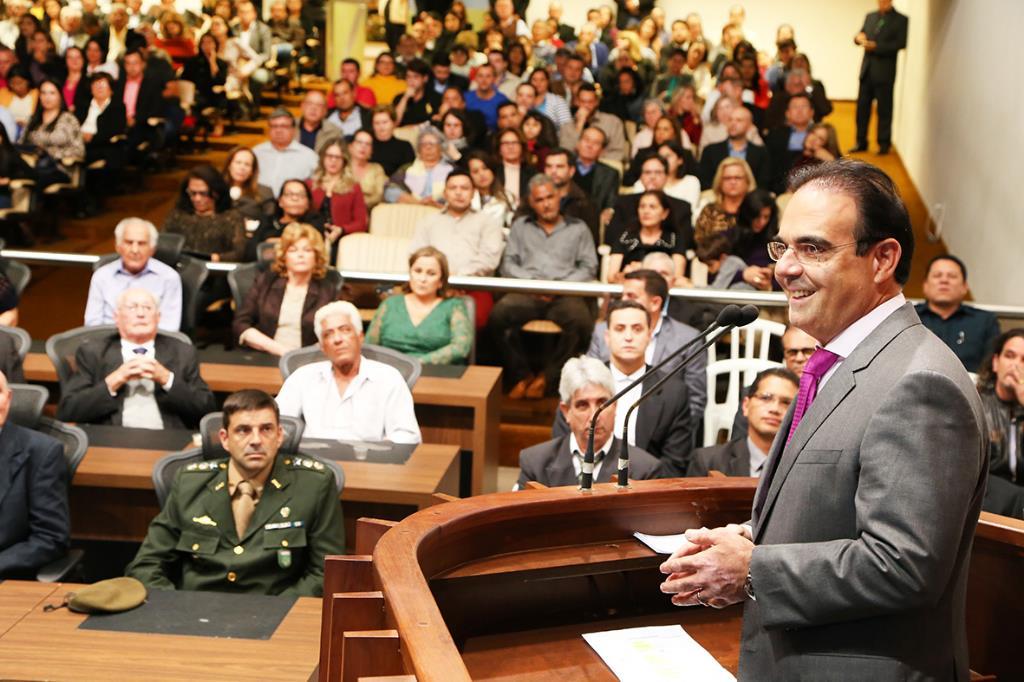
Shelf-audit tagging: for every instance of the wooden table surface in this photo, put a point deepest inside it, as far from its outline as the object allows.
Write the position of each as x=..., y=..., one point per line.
x=430, y=469
x=39, y=645
x=477, y=391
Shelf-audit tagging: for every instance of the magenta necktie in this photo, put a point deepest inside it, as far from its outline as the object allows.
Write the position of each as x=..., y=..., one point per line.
x=820, y=362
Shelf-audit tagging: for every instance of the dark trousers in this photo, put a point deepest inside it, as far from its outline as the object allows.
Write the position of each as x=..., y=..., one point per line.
x=878, y=92
x=571, y=313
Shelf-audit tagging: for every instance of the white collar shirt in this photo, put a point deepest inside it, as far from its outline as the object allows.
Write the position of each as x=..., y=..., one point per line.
x=851, y=337
x=578, y=453
x=652, y=346
x=757, y=458
x=626, y=401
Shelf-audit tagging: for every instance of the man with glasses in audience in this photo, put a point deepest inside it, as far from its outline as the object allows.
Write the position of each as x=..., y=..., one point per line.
x=257, y=522
x=764, y=407
x=135, y=241
x=282, y=157
x=314, y=131
x=135, y=377
x=347, y=396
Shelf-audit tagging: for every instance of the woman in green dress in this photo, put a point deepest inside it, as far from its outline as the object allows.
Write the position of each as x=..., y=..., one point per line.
x=425, y=322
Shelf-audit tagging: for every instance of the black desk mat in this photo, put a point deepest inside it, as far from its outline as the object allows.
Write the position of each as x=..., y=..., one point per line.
x=201, y=614
x=237, y=356
x=104, y=435
x=342, y=451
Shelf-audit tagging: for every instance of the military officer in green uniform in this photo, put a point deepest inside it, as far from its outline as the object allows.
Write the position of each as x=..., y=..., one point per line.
x=254, y=522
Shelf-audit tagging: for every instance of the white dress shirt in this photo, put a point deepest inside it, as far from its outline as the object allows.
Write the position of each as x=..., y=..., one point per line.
x=140, y=409
x=757, y=458
x=626, y=401
x=649, y=353
x=851, y=337
x=377, y=404
x=578, y=453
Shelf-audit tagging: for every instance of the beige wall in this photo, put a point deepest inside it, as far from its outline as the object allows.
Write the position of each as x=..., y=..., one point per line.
x=824, y=29
x=960, y=133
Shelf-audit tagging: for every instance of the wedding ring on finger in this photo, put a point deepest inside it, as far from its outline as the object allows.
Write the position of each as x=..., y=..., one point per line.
x=696, y=595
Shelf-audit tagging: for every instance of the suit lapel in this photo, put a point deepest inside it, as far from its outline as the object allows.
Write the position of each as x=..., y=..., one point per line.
x=832, y=395
x=276, y=494
x=12, y=457
x=218, y=505
x=560, y=470
x=739, y=459
x=648, y=415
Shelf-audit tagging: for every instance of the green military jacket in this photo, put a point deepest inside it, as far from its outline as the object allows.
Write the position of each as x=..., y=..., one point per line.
x=192, y=544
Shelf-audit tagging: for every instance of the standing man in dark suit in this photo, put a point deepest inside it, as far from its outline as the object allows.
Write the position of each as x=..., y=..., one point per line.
x=864, y=517
x=884, y=34
x=764, y=407
x=585, y=385
x=136, y=378
x=662, y=424
x=34, y=522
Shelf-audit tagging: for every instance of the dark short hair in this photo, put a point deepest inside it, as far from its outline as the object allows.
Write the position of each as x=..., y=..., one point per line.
x=949, y=257
x=780, y=372
x=677, y=52
x=800, y=95
x=215, y=184
x=622, y=304
x=986, y=377
x=787, y=43
x=570, y=157
x=655, y=157
x=418, y=66
x=881, y=213
x=458, y=172
x=98, y=76
x=714, y=246
x=249, y=400
x=587, y=87
x=574, y=57
x=441, y=59
x=654, y=284
x=506, y=104
x=350, y=60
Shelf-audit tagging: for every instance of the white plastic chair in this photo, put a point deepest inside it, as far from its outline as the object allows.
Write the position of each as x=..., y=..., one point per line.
x=719, y=415
x=373, y=253
x=398, y=220
x=757, y=337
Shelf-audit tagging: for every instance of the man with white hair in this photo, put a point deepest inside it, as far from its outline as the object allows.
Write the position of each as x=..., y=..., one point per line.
x=585, y=385
x=9, y=30
x=347, y=396
x=135, y=241
x=135, y=377
x=70, y=33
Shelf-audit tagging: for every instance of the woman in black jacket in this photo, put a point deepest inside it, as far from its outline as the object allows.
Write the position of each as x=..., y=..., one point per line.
x=208, y=71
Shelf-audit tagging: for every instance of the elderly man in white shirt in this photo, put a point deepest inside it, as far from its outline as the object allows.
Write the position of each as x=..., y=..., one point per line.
x=349, y=397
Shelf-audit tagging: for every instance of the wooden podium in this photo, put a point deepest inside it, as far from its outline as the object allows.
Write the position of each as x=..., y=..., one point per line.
x=503, y=585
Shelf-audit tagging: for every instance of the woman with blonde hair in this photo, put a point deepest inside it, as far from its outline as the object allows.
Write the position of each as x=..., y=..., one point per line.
x=336, y=194
x=277, y=314
x=425, y=322
x=733, y=181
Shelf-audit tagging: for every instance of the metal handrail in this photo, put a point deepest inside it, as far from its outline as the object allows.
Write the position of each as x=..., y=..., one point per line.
x=525, y=286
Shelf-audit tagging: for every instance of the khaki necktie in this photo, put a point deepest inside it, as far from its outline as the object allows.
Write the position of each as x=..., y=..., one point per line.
x=243, y=507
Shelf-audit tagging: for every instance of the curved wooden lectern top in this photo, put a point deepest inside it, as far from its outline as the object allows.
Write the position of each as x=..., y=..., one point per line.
x=503, y=585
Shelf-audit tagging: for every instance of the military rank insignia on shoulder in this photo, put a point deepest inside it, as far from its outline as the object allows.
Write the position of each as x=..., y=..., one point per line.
x=304, y=463
x=207, y=466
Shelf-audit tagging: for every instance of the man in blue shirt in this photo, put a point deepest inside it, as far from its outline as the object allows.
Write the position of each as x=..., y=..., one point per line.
x=135, y=242
x=485, y=98
x=968, y=331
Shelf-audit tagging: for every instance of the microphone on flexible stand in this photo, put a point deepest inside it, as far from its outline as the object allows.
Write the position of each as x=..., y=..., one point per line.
x=729, y=317
x=748, y=314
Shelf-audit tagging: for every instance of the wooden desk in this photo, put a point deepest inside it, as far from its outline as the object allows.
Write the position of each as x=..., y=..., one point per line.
x=40, y=645
x=463, y=411
x=112, y=495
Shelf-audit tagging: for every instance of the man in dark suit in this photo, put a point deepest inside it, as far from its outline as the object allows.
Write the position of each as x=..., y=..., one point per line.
x=662, y=424
x=786, y=143
x=737, y=145
x=142, y=97
x=864, y=517
x=135, y=377
x=764, y=407
x=597, y=180
x=117, y=39
x=35, y=524
x=441, y=76
x=653, y=176
x=585, y=385
x=883, y=35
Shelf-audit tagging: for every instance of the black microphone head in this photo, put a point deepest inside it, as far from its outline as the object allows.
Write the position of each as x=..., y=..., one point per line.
x=730, y=316
x=748, y=314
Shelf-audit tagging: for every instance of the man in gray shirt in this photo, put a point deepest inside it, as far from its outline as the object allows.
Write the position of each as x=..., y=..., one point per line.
x=544, y=245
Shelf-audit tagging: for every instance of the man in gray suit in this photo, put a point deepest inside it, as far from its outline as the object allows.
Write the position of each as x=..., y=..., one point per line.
x=763, y=408
x=650, y=290
x=854, y=565
x=584, y=386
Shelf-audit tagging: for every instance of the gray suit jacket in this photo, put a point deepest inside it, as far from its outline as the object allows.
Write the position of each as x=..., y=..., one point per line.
x=673, y=334
x=862, y=543
x=732, y=459
x=550, y=463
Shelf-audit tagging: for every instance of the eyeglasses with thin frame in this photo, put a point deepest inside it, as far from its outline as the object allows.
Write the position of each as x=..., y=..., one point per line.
x=769, y=398
x=804, y=252
x=793, y=352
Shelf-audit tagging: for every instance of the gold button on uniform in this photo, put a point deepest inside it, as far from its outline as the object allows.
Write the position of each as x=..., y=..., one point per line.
x=195, y=547
x=284, y=543
x=232, y=576
x=239, y=549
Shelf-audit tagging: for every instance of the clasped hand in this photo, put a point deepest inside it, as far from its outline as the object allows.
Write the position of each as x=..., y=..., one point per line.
x=712, y=562
x=137, y=368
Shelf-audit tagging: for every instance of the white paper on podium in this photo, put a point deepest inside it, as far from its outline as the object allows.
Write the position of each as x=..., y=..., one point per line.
x=656, y=654
x=662, y=544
